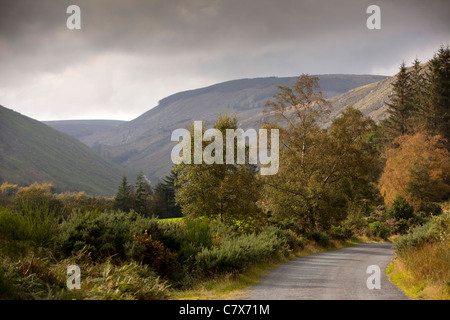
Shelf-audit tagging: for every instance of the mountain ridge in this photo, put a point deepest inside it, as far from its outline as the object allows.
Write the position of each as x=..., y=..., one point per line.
x=144, y=142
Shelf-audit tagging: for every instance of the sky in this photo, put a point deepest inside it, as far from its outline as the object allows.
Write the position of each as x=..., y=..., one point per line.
x=129, y=54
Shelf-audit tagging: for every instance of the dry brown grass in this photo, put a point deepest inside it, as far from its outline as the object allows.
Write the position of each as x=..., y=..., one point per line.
x=423, y=273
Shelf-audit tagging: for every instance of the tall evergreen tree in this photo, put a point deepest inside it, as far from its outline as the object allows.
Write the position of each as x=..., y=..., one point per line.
x=437, y=109
x=143, y=194
x=419, y=83
x=122, y=200
x=400, y=105
x=165, y=205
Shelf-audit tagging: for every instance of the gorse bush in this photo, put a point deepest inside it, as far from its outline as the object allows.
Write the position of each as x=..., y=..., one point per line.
x=198, y=232
x=236, y=254
x=103, y=234
x=153, y=253
x=436, y=230
x=378, y=229
x=416, y=237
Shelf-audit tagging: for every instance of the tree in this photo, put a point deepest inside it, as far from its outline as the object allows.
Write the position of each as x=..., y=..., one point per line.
x=418, y=85
x=164, y=200
x=418, y=169
x=228, y=192
x=400, y=105
x=318, y=167
x=142, y=203
x=437, y=108
x=123, y=199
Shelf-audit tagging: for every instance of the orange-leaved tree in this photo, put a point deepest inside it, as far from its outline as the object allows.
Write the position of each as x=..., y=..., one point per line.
x=418, y=169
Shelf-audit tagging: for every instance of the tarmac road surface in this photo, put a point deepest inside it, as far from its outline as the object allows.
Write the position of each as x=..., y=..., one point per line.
x=336, y=275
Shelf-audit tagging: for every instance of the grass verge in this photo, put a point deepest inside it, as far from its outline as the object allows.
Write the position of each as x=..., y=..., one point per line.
x=422, y=273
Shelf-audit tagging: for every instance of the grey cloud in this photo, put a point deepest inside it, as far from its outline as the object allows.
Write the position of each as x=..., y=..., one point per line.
x=161, y=42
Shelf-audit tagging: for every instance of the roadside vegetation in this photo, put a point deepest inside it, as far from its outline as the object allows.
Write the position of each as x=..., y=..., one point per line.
x=421, y=266
x=351, y=181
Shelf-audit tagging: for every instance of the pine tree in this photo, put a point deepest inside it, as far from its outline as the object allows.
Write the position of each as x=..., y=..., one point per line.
x=122, y=200
x=165, y=197
x=143, y=193
x=437, y=109
x=419, y=83
x=401, y=105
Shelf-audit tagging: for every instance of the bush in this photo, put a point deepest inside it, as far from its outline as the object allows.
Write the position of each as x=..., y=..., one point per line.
x=400, y=209
x=377, y=229
x=437, y=229
x=292, y=239
x=236, y=254
x=153, y=253
x=321, y=238
x=102, y=235
x=341, y=233
x=416, y=237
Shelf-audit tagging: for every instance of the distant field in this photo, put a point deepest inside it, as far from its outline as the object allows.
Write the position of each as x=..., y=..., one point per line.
x=170, y=220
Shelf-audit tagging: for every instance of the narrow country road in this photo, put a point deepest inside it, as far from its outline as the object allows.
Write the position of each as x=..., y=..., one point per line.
x=336, y=275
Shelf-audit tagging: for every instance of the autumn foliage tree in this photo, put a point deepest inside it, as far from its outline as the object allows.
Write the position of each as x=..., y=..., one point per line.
x=321, y=169
x=417, y=169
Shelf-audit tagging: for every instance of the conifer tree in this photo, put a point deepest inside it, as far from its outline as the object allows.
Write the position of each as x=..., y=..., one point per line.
x=122, y=200
x=400, y=105
x=418, y=84
x=437, y=109
x=143, y=193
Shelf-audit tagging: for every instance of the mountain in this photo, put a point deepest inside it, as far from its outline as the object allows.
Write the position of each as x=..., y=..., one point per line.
x=81, y=128
x=144, y=143
x=31, y=151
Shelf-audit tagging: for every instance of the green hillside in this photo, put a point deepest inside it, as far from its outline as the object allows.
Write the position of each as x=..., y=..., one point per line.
x=32, y=151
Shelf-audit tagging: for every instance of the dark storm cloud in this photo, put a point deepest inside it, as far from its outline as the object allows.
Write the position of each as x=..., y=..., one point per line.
x=138, y=51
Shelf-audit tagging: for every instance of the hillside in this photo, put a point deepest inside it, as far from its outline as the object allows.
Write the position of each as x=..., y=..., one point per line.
x=82, y=128
x=144, y=143
x=32, y=151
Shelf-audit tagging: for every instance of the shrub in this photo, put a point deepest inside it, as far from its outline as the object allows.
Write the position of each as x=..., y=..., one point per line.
x=291, y=238
x=103, y=234
x=437, y=229
x=172, y=235
x=153, y=253
x=377, y=229
x=33, y=196
x=341, y=233
x=236, y=254
x=400, y=209
x=321, y=238
x=198, y=234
